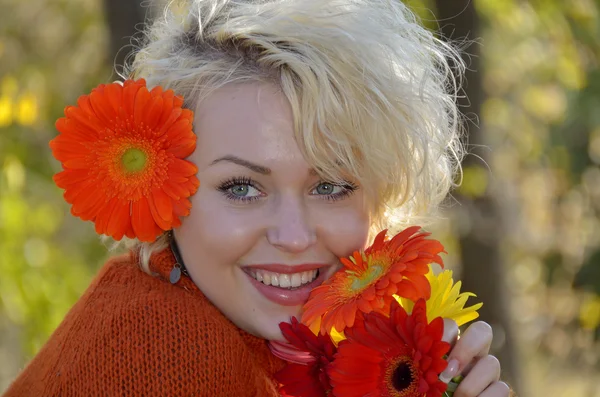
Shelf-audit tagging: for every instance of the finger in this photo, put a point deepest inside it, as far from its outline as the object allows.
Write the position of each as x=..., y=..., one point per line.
x=450, y=331
x=467, y=369
x=498, y=389
x=485, y=373
x=474, y=343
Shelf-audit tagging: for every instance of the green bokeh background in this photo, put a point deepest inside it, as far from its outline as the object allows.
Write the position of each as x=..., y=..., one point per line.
x=540, y=116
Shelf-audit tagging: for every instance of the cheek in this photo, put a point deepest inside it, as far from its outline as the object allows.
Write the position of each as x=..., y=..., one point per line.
x=217, y=232
x=344, y=231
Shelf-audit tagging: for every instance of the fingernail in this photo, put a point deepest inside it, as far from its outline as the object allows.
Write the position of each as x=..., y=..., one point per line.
x=450, y=372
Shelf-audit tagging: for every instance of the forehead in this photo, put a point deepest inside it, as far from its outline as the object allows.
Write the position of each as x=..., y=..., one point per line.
x=250, y=120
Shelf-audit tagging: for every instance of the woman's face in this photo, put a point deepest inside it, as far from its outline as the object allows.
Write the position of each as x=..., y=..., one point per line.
x=264, y=229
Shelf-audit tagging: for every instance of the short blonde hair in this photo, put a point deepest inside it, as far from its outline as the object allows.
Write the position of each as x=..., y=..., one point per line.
x=371, y=90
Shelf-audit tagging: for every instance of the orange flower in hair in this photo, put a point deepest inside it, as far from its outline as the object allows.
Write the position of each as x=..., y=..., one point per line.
x=123, y=151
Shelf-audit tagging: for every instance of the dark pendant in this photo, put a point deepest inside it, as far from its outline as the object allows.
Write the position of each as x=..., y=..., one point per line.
x=178, y=260
x=175, y=275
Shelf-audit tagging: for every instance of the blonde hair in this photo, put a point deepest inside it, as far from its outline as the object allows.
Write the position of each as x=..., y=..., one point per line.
x=371, y=90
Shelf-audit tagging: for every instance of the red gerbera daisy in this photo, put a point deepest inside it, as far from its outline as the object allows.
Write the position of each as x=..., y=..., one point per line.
x=309, y=379
x=369, y=280
x=122, y=149
x=399, y=356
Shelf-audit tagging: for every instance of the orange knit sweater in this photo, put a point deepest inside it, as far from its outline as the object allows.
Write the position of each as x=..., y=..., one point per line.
x=132, y=334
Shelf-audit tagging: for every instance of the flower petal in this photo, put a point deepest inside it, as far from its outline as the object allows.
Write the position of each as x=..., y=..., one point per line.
x=120, y=220
x=142, y=221
x=102, y=108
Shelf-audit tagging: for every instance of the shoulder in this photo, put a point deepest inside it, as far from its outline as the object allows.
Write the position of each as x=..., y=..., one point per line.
x=134, y=331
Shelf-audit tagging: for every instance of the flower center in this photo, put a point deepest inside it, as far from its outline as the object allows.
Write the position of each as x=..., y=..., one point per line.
x=133, y=160
x=371, y=274
x=402, y=376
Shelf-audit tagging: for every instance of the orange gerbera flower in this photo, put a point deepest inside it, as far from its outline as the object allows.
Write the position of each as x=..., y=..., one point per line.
x=369, y=280
x=122, y=149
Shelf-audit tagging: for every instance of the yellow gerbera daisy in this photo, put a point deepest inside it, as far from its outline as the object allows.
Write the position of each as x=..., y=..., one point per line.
x=446, y=300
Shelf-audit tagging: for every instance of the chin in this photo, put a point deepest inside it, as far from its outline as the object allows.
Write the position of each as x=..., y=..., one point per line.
x=269, y=329
x=267, y=332
x=275, y=335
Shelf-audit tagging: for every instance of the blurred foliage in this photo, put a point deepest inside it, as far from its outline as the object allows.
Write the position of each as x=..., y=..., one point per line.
x=541, y=120
x=541, y=117
x=51, y=51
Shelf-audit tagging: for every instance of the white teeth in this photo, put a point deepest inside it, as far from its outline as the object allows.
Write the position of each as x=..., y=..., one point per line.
x=284, y=280
x=296, y=280
x=267, y=279
x=306, y=276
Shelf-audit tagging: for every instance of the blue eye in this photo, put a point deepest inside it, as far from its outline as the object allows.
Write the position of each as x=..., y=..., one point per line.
x=328, y=188
x=332, y=191
x=240, y=189
x=244, y=191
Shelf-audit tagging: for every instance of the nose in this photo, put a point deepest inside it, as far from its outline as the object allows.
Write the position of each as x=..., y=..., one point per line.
x=291, y=230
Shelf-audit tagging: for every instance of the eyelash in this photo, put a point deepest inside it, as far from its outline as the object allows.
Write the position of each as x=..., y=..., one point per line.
x=229, y=183
x=349, y=189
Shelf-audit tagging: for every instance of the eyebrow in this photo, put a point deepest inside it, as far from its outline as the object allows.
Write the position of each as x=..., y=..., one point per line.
x=244, y=163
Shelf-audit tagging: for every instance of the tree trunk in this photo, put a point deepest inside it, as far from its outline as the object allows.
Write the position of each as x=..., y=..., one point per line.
x=123, y=17
x=483, y=270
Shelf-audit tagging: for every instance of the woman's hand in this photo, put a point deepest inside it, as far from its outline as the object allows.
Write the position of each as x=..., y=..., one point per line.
x=470, y=357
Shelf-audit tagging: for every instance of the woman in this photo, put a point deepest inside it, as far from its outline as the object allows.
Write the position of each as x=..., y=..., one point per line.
x=317, y=123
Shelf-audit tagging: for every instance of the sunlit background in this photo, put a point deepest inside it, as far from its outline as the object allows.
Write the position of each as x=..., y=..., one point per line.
x=523, y=231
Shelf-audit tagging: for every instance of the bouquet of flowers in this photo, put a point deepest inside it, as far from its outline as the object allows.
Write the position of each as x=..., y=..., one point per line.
x=375, y=328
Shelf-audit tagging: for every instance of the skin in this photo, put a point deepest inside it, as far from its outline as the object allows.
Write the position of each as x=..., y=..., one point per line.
x=289, y=219
x=470, y=357
x=286, y=222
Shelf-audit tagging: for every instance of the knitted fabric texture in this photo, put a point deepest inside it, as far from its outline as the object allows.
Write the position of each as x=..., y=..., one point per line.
x=132, y=334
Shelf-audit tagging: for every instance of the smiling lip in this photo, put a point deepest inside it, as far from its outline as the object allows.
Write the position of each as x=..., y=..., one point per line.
x=284, y=296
